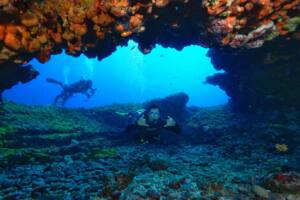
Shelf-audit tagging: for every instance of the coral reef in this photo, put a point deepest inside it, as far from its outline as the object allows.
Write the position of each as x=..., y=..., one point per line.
x=249, y=23
x=54, y=153
x=96, y=27
x=23, y=125
x=283, y=182
x=279, y=186
x=281, y=148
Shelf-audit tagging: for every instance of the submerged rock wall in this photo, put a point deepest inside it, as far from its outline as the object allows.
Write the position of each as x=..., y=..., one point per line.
x=38, y=29
x=12, y=73
x=266, y=77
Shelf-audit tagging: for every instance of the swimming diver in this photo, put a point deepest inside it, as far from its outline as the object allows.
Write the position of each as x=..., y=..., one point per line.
x=81, y=86
x=151, y=128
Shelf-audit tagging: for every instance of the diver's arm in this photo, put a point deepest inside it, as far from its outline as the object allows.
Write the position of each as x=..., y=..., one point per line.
x=141, y=121
x=51, y=80
x=90, y=92
x=87, y=94
x=135, y=125
x=172, y=125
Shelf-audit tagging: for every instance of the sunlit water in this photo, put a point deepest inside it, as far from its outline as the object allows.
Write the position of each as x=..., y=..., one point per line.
x=125, y=76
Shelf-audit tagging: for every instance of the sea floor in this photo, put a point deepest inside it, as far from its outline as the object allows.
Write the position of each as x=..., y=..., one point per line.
x=141, y=172
x=81, y=154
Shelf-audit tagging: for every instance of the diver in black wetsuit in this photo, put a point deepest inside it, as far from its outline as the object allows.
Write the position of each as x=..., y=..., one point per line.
x=150, y=128
x=82, y=86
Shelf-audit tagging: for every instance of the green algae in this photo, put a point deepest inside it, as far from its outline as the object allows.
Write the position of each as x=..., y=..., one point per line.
x=272, y=35
x=292, y=24
x=103, y=153
x=276, y=125
x=58, y=136
x=4, y=131
x=23, y=155
x=46, y=120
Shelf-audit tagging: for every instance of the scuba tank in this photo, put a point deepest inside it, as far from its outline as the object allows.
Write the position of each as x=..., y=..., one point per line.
x=51, y=80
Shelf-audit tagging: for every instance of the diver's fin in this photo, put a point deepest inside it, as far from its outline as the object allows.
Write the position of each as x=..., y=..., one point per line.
x=51, y=80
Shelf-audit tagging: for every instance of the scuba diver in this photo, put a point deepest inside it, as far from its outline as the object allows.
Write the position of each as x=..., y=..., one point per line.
x=149, y=127
x=82, y=86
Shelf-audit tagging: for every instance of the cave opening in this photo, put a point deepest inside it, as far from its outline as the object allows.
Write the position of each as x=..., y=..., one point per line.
x=246, y=149
x=126, y=76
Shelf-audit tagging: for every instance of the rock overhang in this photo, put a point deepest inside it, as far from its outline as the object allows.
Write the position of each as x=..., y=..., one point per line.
x=38, y=29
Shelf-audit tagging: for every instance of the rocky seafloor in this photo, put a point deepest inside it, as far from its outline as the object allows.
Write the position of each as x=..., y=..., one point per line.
x=58, y=153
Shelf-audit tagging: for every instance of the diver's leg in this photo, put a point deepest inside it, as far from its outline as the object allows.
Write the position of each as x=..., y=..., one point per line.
x=57, y=98
x=86, y=93
x=66, y=97
x=64, y=100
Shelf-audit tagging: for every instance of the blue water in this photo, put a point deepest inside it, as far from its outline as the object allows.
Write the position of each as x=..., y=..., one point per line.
x=125, y=76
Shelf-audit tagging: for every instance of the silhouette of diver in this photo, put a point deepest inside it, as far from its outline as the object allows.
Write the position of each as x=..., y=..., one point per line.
x=82, y=86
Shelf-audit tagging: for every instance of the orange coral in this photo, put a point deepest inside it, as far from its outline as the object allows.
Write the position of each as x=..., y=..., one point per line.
x=76, y=15
x=118, y=8
x=126, y=34
x=67, y=35
x=136, y=21
x=29, y=20
x=120, y=28
x=103, y=19
x=6, y=54
x=34, y=45
x=2, y=31
x=56, y=37
x=249, y=6
x=100, y=34
x=226, y=40
x=160, y=3
x=12, y=39
x=229, y=19
x=59, y=24
x=42, y=38
x=265, y=11
x=118, y=11
x=280, y=28
x=4, y=2
x=45, y=54
x=73, y=48
x=78, y=29
x=264, y=2
x=230, y=22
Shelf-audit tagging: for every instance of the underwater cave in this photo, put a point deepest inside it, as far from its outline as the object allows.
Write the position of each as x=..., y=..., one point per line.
x=248, y=148
x=126, y=76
